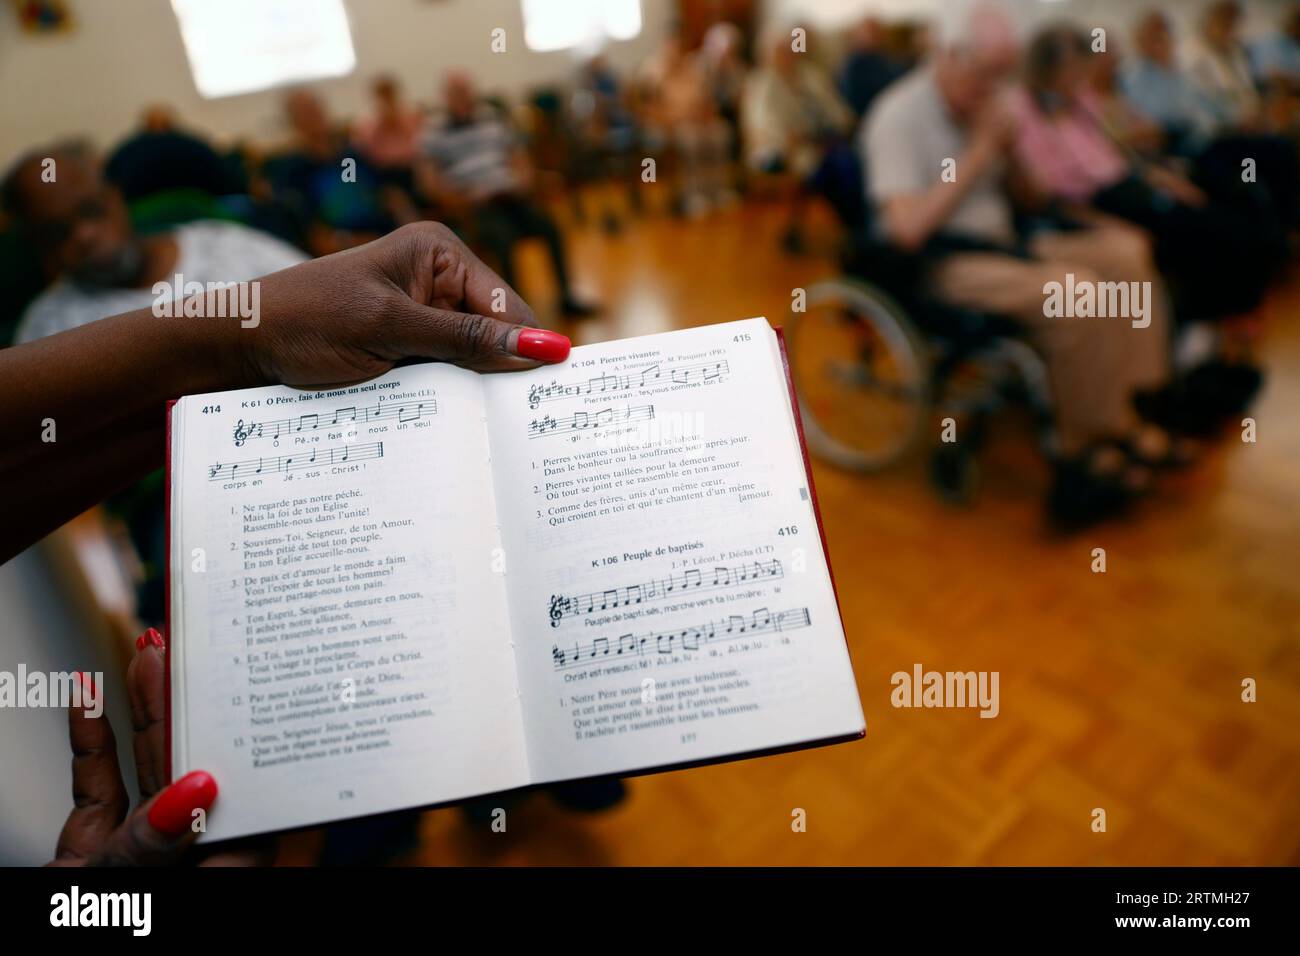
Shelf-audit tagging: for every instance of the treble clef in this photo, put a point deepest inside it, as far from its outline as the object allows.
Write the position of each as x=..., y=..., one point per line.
x=534, y=395
x=558, y=604
x=242, y=432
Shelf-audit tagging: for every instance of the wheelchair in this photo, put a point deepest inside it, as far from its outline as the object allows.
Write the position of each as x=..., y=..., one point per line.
x=882, y=370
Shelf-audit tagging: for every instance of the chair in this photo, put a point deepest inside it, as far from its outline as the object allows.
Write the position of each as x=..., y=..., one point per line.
x=874, y=357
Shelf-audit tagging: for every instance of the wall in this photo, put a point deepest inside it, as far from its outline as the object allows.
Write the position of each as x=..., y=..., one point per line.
x=1113, y=14
x=125, y=54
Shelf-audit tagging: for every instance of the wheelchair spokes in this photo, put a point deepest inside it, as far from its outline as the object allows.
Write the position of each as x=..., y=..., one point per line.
x=862, y=374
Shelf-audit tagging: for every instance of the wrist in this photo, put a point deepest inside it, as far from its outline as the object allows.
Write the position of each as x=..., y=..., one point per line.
x=211, y=353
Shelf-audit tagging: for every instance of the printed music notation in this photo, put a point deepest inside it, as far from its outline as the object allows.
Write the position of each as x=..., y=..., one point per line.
x=580, y=421
x=306, y=458
x=685, y=639
x=314, y=420
x=683, y=374
x=688, y=581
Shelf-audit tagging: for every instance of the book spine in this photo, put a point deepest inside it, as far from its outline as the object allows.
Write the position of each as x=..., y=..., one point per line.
x=171, y=636
x=807, y=467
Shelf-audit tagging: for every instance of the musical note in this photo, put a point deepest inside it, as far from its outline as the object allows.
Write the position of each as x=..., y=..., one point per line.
x=689, y=580
x=312, y=420
x=681, y=374
x=687, y=639
x=580, y=421
x=256, y=466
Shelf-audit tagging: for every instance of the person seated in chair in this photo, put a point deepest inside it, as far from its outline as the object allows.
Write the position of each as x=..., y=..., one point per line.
x=680, y=113
x=794, y=122
x=389, y=137
x=1063, y=144
x=96, y=263
x=474, y=168
x=98, y=266
x=937, y=147
x=339, y=197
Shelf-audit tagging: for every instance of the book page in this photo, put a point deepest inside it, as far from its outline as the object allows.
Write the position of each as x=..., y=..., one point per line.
x=669, y=594
x=339, y=636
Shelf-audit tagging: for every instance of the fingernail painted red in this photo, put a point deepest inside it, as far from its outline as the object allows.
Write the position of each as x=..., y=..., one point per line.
x=173, y=811
x=141, y=641
x=155, y=638
x=543, y=345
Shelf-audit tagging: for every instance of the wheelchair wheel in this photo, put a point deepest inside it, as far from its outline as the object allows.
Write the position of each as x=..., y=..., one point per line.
x=862, y=374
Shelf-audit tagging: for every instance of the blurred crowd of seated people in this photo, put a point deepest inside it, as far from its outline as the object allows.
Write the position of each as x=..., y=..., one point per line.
x=1072, y=159
x=1113, y=161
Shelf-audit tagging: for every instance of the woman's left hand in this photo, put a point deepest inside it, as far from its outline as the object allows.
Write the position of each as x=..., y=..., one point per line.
x=102, y=830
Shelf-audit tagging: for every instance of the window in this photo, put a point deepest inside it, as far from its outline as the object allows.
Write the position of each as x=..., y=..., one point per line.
x=563, y=24
x=240, y=46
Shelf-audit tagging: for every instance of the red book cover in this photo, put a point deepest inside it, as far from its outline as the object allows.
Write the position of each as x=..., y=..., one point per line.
x=167, y=598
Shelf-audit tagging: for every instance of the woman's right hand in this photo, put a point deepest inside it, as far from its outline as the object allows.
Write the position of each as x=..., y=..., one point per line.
x=416, y=293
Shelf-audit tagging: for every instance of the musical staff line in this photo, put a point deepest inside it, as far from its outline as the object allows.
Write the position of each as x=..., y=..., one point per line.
x=683, y=374
x=303, y=459
x=408, y=412
x=689, y=581
x=686, y=639
x=581, y=421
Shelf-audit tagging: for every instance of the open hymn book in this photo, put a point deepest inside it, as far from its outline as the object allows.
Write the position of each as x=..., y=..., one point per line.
x=440, y=584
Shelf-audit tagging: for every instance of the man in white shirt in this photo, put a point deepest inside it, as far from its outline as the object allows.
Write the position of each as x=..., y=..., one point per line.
x=96, y=264
x=937, y=148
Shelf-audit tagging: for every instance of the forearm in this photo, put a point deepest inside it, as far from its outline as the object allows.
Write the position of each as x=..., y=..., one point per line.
x=912, y=220
x=84, y=411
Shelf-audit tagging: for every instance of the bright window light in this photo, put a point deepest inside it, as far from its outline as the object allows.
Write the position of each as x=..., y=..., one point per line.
x=241, y=46
x=564, y=24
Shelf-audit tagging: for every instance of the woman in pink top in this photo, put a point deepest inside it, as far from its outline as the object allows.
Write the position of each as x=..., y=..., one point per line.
x=1064, y=148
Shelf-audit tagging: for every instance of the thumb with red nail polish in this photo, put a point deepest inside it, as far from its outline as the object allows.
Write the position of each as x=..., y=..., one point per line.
x=163, y=830
x=176, y=809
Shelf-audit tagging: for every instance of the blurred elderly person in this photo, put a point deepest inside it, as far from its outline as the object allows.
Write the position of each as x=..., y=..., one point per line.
x=475, y=168
x=951, y=114
x=1153, y=82
x=1220, y=68
x=389, y=136
x=725, y=71
x=868, y=66
x=791, y=111
x=1275, y=57
x=1196, y=131
x=679, y=110
x=339, y=198
x=1063, y=143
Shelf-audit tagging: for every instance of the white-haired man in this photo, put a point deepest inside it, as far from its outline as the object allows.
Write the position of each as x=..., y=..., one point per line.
x=939, y=170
